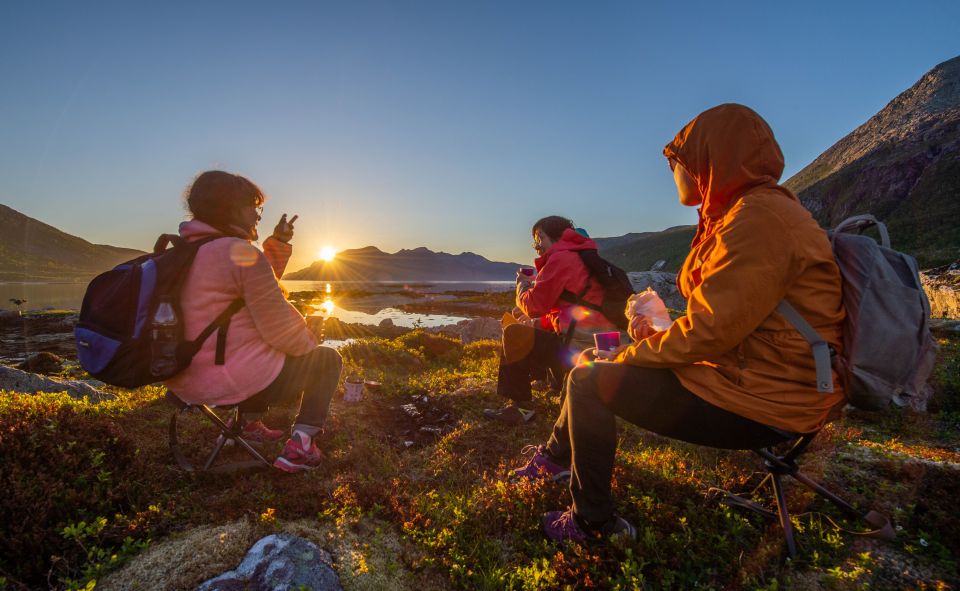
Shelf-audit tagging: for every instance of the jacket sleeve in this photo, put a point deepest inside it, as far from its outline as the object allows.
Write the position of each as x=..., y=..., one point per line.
x=552, y=279
x=278, y=254
x=277, y=321
x=745, y=276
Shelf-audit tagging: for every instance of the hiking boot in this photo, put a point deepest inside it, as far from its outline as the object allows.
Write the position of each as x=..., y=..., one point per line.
x=540, y=466
x=255, y=432
x=564, y=525
x=510, y=414
x=295, y=458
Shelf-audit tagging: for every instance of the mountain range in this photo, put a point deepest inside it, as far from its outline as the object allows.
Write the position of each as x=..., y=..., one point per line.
x=31, y=250
x=902, y=165
x=419, y=264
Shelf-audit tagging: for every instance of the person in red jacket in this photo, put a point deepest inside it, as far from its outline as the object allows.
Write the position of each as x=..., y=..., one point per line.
x=552, y=329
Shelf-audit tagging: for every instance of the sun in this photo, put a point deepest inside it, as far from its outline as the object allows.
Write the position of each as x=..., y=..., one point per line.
x=327, y=253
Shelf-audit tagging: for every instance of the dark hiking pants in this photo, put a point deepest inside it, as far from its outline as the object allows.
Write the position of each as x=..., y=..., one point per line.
x=310, y=379
x=585, y=434
x=547, y=352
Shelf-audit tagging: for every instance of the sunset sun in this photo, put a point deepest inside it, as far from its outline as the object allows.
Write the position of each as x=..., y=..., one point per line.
x=327, y=253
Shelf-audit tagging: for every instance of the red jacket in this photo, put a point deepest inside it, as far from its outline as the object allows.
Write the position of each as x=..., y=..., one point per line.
x=561, y=269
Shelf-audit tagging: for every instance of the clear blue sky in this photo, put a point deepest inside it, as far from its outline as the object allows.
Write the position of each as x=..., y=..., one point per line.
x=450, y=124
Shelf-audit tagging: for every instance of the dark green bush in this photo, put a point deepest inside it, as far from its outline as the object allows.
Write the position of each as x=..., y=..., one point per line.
x=60, y=466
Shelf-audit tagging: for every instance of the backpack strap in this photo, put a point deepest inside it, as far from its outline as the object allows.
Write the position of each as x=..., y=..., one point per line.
x=859, y=223
x=569, y=296
x=821, y=350
x=221, y=324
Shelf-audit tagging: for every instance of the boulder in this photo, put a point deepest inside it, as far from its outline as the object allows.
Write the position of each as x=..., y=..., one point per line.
x=479, y=329
x=665, y=284
x=16, y=380
x=279, y=562
x=386, y=323
x=43, y=362
x=942, y=285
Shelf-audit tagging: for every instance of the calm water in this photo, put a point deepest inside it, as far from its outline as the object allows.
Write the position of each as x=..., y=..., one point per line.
x=69, y=296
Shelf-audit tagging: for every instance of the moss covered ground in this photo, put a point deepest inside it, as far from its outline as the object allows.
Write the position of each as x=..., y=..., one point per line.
x=92, y=498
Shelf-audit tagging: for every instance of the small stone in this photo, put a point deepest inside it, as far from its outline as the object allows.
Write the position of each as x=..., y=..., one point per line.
x=279, y=562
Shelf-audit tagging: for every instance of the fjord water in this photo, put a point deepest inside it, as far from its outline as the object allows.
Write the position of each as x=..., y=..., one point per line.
x=69, y=296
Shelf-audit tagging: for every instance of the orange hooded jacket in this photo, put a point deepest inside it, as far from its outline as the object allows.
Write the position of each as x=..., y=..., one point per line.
x=755, y=245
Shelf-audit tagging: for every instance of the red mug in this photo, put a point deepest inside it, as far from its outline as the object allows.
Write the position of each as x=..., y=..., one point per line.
x=606, y=341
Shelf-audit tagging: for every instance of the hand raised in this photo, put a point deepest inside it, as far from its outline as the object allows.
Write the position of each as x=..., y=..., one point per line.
x=284, y=228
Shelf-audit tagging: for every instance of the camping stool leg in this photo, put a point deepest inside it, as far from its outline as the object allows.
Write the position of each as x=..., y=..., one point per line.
x=784, y=515
x=818, y=488
x=221, y=441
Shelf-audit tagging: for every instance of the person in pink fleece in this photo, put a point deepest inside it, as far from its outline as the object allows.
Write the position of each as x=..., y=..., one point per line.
x=554, y=328
x=270, y=354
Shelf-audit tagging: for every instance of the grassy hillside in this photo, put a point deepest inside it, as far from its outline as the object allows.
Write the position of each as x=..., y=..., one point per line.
x=32, y=250
x=639, y=254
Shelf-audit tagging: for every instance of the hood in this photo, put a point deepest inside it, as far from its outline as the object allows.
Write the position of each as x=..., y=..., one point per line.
x=195, y=230
x=728, y=150
x=570, y=240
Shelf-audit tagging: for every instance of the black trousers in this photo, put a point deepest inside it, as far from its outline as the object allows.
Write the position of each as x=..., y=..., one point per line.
x=585, y=434
x=547, y=352
x=310, y=379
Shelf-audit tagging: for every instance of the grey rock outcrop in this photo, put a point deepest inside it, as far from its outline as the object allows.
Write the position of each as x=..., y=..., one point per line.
x=943, y=290
x=16, y=380
x=665, y=284
x=279, y=562
x=479, y=329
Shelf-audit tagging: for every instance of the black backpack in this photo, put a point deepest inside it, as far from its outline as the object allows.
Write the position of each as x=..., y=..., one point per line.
x=114, y=331
x=616, y=285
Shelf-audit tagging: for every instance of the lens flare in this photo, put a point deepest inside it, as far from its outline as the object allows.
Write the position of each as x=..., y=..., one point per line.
x=327, y=253
x=328, y=307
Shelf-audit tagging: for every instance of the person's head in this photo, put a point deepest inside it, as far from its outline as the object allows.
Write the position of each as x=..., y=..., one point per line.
x=724, y=152
x=548, y=230
x=226, y=201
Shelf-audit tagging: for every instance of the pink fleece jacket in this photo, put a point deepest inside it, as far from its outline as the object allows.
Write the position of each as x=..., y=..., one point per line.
x=261, y=334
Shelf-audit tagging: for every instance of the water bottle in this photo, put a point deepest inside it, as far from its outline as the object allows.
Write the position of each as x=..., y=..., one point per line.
x=163, y=341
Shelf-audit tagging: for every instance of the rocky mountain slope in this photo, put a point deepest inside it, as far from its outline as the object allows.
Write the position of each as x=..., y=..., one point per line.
x=902, y=165
x=31, y=250
x=419, y=264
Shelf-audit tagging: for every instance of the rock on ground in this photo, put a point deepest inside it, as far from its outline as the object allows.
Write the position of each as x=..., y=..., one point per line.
x=942, y=285
x=43, y=362
x=279, y=562
x=665, y=284
x=15, y=380
x=479, y=329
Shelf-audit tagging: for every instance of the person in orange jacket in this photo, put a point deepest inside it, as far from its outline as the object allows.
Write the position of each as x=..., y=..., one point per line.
x=731, y=372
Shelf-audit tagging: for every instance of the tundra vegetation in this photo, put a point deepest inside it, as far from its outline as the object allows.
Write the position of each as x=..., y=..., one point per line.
x=93, y=499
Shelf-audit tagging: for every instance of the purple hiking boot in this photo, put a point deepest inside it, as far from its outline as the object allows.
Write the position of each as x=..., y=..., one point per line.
x=561, y=526
x=540, y=466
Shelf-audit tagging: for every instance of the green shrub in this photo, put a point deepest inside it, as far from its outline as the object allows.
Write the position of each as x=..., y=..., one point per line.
x=63, y=464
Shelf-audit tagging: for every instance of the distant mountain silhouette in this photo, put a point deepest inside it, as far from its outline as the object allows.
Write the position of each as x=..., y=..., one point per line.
x=902, y=165
x=419, y=264
x=31, y=250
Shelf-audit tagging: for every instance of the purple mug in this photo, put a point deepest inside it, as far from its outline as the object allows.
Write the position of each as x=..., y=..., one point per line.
x=527, y=271
x=606, y=341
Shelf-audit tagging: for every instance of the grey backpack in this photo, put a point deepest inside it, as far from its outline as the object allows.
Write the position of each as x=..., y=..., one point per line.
x=888, y=351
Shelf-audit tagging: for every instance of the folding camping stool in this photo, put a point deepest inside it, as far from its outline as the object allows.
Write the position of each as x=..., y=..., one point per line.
x=778, y=466
x=228, y=433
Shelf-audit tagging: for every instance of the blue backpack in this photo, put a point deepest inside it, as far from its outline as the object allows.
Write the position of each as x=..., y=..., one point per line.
x=114, y=335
